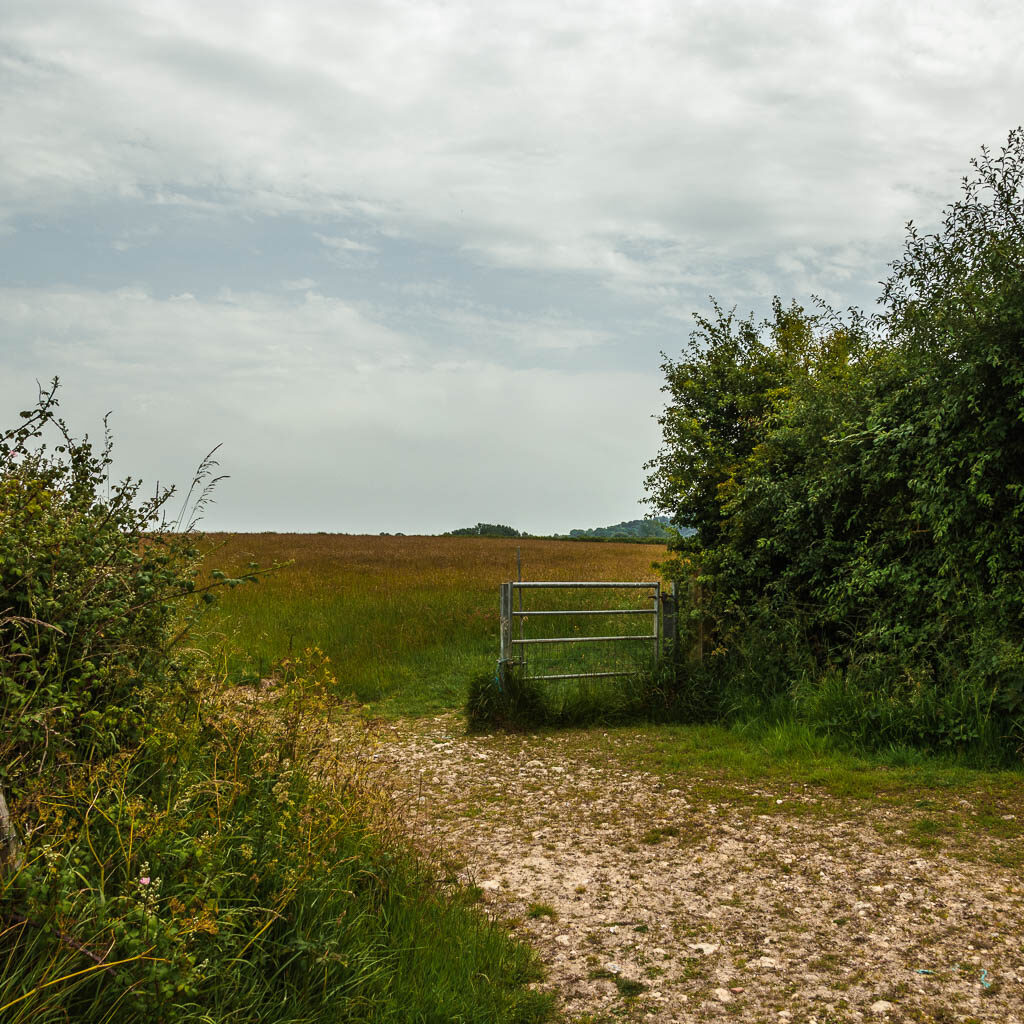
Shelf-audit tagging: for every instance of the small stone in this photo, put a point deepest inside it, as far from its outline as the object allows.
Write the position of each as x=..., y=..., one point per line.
x=562, y=940
x=612, y=968
x=723, y=995
x=707, y=948
x=880, y=1007
x=490, y=885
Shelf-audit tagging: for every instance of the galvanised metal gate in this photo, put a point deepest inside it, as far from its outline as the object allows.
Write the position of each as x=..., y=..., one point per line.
x=513, y=648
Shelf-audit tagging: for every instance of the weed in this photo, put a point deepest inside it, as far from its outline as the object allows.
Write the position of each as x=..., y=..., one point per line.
x=628, y=988
x=538, y=910
x=659, y=834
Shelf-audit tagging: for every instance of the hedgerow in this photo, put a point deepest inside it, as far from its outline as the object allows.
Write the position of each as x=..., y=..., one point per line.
x=856, y=485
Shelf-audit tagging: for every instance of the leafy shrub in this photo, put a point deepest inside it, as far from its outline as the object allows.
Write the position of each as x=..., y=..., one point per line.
x=88, y=595
x=863, y=479
x=508, y=701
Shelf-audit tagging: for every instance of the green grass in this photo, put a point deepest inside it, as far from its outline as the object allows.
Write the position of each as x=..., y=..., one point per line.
x=658, y=835
x=628, y=988
x=228, y=881
x=406, y=621
x=794, y=754
x=538, y=910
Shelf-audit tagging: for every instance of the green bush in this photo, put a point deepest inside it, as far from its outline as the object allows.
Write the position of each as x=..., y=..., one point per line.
x=863, y=480
x=88, y=594
x=238, y=866
x=507, y=701
x=504, y=700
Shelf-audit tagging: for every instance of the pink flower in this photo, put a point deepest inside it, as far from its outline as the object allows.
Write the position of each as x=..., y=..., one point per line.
x=144, y=880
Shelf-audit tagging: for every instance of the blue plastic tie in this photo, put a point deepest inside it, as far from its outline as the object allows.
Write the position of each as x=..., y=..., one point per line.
x=984, y=979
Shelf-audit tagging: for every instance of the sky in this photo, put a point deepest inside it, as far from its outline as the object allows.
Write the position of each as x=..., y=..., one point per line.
x=414, y=265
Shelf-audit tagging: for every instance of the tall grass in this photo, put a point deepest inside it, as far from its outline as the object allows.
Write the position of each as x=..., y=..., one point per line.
x=406, y=621
x=865, y=702
x=239, y=866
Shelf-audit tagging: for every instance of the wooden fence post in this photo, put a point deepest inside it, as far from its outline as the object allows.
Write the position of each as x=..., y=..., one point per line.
x=10, y=847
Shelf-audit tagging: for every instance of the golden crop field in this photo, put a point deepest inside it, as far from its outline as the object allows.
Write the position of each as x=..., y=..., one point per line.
x=406, y=621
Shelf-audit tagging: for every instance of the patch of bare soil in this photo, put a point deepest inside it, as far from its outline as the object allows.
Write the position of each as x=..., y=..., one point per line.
x=647, y=901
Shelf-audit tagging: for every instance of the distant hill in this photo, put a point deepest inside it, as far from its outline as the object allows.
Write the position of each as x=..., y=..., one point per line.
x=649, y=531
x=634, y=529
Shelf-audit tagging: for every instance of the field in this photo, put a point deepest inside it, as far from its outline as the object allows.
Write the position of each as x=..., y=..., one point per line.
x=406, y=621
x=662, y=872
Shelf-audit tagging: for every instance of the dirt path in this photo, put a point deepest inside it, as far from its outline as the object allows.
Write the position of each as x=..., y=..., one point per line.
x=667, y=905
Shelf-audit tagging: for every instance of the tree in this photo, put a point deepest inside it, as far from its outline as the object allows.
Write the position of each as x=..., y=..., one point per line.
x=719, y=394
x=865, y=480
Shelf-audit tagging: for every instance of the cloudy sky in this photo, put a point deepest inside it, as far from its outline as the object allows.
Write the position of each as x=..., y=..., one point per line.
x=414, y=264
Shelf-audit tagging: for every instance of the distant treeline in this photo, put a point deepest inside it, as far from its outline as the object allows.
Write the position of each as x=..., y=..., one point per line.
x=635, y=529
x=485, y=530
x=645, y=531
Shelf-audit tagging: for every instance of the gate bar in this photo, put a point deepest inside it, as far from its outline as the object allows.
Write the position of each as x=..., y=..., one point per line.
x=635, y=586
x=585, y=639
x=590, y=611
x=584, y=675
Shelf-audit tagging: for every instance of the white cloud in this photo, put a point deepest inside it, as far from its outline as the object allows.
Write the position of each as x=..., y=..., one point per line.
x=347, y=252
x=538, y=135
x=328, y=419
x=344, y=244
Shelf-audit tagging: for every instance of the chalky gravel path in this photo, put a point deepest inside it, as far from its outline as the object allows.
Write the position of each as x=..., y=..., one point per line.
x=649, y=901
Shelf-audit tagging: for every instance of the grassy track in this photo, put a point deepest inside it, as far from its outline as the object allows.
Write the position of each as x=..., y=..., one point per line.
x=406, y=621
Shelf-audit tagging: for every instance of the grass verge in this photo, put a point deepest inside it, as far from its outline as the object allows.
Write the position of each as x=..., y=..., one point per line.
x=239, y=865
x=789, y=770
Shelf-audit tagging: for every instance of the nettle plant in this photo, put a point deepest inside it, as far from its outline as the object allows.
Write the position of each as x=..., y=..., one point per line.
x=92, y=577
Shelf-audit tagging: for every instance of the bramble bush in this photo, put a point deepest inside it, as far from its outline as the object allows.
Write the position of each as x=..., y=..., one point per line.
x=857, y=490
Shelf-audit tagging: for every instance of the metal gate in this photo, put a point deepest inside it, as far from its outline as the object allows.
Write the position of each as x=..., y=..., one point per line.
x=514, y=648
